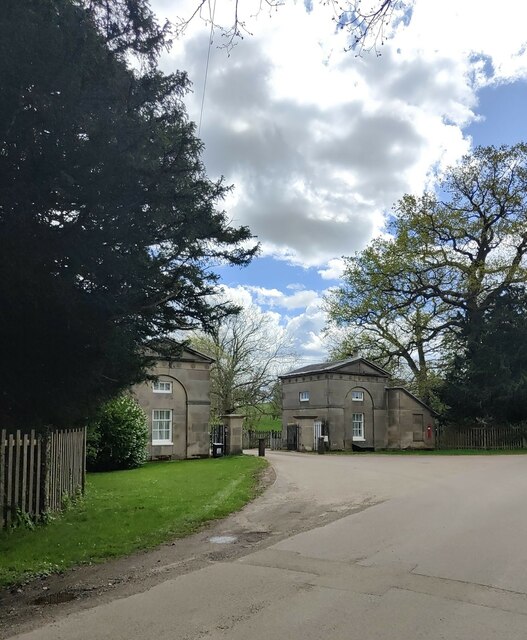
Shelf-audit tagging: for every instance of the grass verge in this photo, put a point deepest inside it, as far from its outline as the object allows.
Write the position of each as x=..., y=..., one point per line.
x=124, y=511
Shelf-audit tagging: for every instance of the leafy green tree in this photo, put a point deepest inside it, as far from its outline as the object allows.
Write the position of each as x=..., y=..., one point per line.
x=467, y=250
x=379, y=323
x=109, y=226
x=275, y=401
x=425, y=289
x=117, y=437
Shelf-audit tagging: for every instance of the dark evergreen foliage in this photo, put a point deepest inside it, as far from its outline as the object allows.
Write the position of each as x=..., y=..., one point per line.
x=108, y=223
x=487, y=380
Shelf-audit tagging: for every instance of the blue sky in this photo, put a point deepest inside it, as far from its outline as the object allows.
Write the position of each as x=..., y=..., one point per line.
x=503, y=108
x=319, y=144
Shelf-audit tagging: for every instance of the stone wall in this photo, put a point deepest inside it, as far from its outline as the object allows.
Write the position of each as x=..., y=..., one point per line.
x=410, y=422
x=190, y=405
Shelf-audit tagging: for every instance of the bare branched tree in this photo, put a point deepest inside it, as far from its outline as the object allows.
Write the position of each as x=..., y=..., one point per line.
x=249, y=354
x=369, y=27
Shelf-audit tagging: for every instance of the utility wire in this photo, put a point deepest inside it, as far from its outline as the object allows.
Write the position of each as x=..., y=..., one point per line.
x=211, y=38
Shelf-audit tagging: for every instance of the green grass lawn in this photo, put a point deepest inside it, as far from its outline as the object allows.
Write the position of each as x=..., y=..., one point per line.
x=124, y=511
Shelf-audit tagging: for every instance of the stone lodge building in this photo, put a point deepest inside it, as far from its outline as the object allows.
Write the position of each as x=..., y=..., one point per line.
x=177, y=405
x=351, y=403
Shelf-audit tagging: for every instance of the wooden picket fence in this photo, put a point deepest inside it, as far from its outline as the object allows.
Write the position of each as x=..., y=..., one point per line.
x=38, y=470
x=481, y=437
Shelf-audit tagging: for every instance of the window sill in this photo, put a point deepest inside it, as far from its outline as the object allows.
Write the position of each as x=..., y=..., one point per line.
x=158, y=443
x=157, y=391
x=355, y=439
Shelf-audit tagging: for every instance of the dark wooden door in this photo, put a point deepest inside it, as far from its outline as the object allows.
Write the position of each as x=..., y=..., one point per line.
x=292, y=437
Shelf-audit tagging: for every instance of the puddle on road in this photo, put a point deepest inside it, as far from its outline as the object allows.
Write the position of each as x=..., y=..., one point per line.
x=56, y=598
x=223, y=539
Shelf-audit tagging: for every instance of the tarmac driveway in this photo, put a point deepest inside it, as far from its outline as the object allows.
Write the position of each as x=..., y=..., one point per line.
x=339, y=547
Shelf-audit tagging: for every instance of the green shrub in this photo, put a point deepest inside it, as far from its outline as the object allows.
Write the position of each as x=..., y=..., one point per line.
x=117, y=438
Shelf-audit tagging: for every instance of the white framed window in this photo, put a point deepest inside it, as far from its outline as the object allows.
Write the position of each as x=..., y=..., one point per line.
x=358, y=426
x=303, y=396
x=162, y=386
x=357, y=396
x=162, y=426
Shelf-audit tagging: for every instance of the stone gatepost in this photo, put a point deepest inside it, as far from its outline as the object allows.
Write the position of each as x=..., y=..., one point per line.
x=234, y=440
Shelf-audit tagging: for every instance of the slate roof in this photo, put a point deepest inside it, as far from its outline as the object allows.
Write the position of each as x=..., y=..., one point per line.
x=325, y=367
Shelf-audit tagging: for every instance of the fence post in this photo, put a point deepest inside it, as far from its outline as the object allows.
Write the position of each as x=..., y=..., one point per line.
x=83, y=459
x=3, y=467
x=44, y=470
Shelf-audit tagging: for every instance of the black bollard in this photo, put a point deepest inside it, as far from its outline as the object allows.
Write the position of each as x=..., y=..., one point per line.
x=261, y=447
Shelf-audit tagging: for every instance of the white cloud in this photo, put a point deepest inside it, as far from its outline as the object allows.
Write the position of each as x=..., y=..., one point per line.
x=472, y=27
x=238, y=295
x=304, y=329
x=307, y=329
x=275, y=298
x=318, y=143
x=333, y=270
x=296, y=286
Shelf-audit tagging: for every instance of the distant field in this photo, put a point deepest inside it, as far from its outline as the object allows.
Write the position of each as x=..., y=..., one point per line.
x=267, y=423
x=264, y=421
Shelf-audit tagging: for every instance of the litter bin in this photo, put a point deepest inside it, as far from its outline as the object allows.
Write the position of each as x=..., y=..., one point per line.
x=217, y=449
x=261, y=447
x=321, y=445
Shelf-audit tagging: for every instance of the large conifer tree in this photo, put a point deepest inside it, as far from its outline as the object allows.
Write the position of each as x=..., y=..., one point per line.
x=109, y=225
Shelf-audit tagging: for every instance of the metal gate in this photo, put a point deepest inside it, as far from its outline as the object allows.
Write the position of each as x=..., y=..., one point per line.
x=292, y=437
x=317, y=433
x=218, y=435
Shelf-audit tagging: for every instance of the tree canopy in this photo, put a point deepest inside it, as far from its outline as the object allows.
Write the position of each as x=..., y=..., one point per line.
x=109, y=226
x=429, y=285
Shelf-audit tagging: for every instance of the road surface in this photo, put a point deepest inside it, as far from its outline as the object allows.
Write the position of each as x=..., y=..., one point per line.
x=408, y=547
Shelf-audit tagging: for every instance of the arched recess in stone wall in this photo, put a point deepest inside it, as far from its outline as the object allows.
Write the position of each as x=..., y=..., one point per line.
x=179, y=415
x=366, y=407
